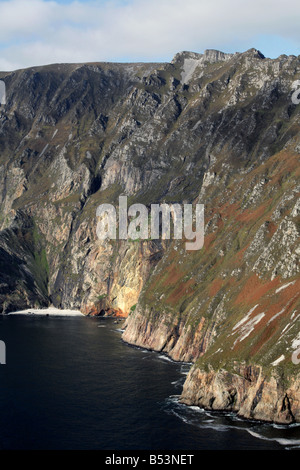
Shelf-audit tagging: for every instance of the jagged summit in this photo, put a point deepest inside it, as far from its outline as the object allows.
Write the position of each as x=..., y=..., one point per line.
x=189, y=61
x=214, y=55
x=209, y=55
x=254, y=53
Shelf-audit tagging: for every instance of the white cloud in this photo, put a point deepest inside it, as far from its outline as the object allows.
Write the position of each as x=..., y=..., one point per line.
x=34, y=32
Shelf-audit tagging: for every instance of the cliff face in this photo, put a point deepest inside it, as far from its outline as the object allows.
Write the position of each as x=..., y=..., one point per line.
x=213, y=128
x=245, y=390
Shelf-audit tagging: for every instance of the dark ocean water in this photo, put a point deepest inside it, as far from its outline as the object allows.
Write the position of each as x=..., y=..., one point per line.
x=72, y=383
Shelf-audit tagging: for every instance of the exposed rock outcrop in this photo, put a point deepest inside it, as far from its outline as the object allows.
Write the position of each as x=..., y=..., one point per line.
x=246, y=391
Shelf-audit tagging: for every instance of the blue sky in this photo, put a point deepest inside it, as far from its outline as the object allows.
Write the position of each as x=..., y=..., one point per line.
x=38, y=32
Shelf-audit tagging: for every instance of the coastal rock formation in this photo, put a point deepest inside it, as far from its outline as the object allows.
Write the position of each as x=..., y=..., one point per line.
x=246, y=391
x=214, y=128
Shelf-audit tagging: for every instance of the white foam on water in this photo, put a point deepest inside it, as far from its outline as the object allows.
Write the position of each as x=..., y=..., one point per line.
x=177, y=382
x=288, y=442
x=165, y=358
x=280, y=440
x=199, y=410
x=216, y=427
x=256, y=434
x=185, y=368
x=185, y=420
x=51, y=311
x=145, y=357
x=204, y=423
x=183, y=411
x=280, y=426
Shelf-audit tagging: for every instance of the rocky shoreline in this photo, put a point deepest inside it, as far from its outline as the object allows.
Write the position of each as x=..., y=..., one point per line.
x=246, y=390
